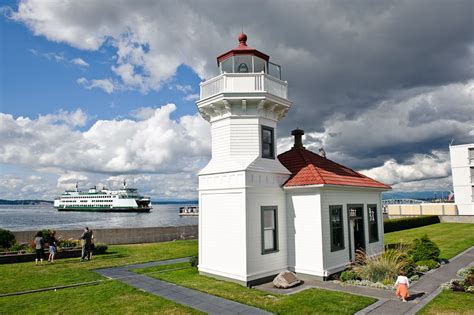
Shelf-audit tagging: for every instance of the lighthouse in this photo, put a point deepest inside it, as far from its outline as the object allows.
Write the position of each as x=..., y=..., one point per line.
x=242, y=220
x=260, y=213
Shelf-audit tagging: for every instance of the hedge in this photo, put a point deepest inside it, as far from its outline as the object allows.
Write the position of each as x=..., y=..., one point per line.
x=409, y=223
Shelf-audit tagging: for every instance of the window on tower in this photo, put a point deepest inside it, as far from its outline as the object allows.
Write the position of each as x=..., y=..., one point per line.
x=268, y=145
x=269, y=229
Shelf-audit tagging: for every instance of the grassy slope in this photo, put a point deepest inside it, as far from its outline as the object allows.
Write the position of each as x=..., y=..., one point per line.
x=312, y=301
x=449, y=302
x=106, y=298
x=452, y=238
x=26, y=276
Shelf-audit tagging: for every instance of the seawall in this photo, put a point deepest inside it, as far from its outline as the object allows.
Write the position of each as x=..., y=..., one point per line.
x=123, y=235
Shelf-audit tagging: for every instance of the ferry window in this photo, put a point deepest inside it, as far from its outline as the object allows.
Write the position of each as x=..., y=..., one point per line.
x=268, y=150
x=337, y=228
x=373, y=224
x=269, y=229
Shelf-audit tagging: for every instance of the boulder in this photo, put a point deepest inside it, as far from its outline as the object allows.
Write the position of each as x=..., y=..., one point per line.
x=286, y=279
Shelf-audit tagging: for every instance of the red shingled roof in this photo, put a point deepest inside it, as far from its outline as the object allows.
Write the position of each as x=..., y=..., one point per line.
x=309, y=168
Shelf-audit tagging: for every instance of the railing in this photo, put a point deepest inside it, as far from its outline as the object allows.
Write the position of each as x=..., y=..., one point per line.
x=244, y=82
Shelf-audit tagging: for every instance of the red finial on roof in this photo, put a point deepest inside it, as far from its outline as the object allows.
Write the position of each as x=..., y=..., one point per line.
x=242, y=39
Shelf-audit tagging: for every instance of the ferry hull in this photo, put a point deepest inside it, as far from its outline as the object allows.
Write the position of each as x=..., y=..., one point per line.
x=92, y=209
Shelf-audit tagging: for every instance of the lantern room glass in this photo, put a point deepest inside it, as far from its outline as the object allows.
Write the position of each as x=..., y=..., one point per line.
x=249, y=64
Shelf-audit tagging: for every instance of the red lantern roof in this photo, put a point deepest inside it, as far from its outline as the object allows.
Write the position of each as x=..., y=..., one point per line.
x=242, y=49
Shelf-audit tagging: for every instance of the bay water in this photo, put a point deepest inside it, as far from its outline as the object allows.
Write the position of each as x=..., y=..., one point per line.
x=38, y=217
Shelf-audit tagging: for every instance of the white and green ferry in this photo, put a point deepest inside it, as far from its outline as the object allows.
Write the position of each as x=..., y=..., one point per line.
x=104, y=200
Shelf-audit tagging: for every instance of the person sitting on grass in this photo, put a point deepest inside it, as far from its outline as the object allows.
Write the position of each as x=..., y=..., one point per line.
x=402, y=284
x=39, y=247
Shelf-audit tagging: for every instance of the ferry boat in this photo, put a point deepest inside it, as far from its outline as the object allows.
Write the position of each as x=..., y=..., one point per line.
x=189, y=210
x=104, y=200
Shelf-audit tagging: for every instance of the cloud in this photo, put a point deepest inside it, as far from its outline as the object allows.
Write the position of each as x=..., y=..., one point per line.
x=153, y=144
x=191, y=97
x=107, y=85
x=371, y=81
x=184, y=88
x=79, y=62
x=419, y=167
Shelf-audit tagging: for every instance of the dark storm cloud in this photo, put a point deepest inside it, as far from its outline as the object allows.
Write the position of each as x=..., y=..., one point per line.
x=370, y=80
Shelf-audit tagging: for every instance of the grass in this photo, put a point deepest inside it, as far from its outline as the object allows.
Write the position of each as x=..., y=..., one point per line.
x=105, y=298
x=311, y=301
x=448, y=302
x=451, y=238
x=26, y=276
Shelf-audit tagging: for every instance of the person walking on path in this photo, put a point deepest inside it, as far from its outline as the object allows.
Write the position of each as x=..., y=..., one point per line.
x=402, y=284
x=53, y=247
x=86, y=240
x=39, y=247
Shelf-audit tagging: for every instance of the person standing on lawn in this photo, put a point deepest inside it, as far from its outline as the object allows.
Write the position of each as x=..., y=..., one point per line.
x=53, y=247
x=39, y=247
x=86, y=240
x=402, y=284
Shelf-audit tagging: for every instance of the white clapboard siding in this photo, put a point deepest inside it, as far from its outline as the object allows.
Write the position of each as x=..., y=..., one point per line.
x=344, y=196
x=222, y=240
x=304, y=231
x=260, y=265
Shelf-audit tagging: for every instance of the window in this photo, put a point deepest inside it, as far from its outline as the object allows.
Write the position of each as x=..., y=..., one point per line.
x=269, y=229
x=268, y=151
x=242, y=64
x=337, y=228
x=373, y=223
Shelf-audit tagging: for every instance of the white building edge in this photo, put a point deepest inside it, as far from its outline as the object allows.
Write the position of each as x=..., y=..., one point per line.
x=462, y=168
x=259, y=217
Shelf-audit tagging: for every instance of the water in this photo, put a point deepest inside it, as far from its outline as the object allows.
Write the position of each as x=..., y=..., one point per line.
x=25, y=217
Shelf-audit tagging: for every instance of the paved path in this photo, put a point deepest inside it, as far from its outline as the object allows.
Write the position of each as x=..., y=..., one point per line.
x=192, y=298
x=428, y=287
x=421, y=292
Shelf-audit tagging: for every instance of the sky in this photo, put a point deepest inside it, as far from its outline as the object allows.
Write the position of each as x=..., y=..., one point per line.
x=97, y=91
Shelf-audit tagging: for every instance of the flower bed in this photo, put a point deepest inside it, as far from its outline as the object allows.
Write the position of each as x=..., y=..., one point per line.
x=414, y=259
x=465, y=282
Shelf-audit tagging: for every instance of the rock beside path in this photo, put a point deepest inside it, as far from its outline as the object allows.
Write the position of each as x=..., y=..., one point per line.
x=285, y=280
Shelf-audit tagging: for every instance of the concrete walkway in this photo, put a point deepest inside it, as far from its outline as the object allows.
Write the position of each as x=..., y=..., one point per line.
x=422, y=292
x=192, y=298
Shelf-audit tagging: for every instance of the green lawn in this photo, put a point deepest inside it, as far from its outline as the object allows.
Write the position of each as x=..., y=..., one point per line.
x=449, y=302
x=451, y=238
x=27, y=276
x=109, y=297
x=311, y=301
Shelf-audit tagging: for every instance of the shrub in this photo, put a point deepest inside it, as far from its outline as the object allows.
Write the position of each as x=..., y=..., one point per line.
x=384, y=268
x=21, y=248
x=431, y=264
x=7, y=238
x=68, y=243
x=422, y=268
x=348, y=275
x=424, y=249
x=409, y=223
x=100, y=248
x=194, y=261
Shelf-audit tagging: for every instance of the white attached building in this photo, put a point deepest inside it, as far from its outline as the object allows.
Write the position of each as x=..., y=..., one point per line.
x=261, y=214
x=462, y=167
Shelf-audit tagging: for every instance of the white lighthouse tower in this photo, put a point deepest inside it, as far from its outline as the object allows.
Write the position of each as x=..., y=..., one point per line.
x=242, y=220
